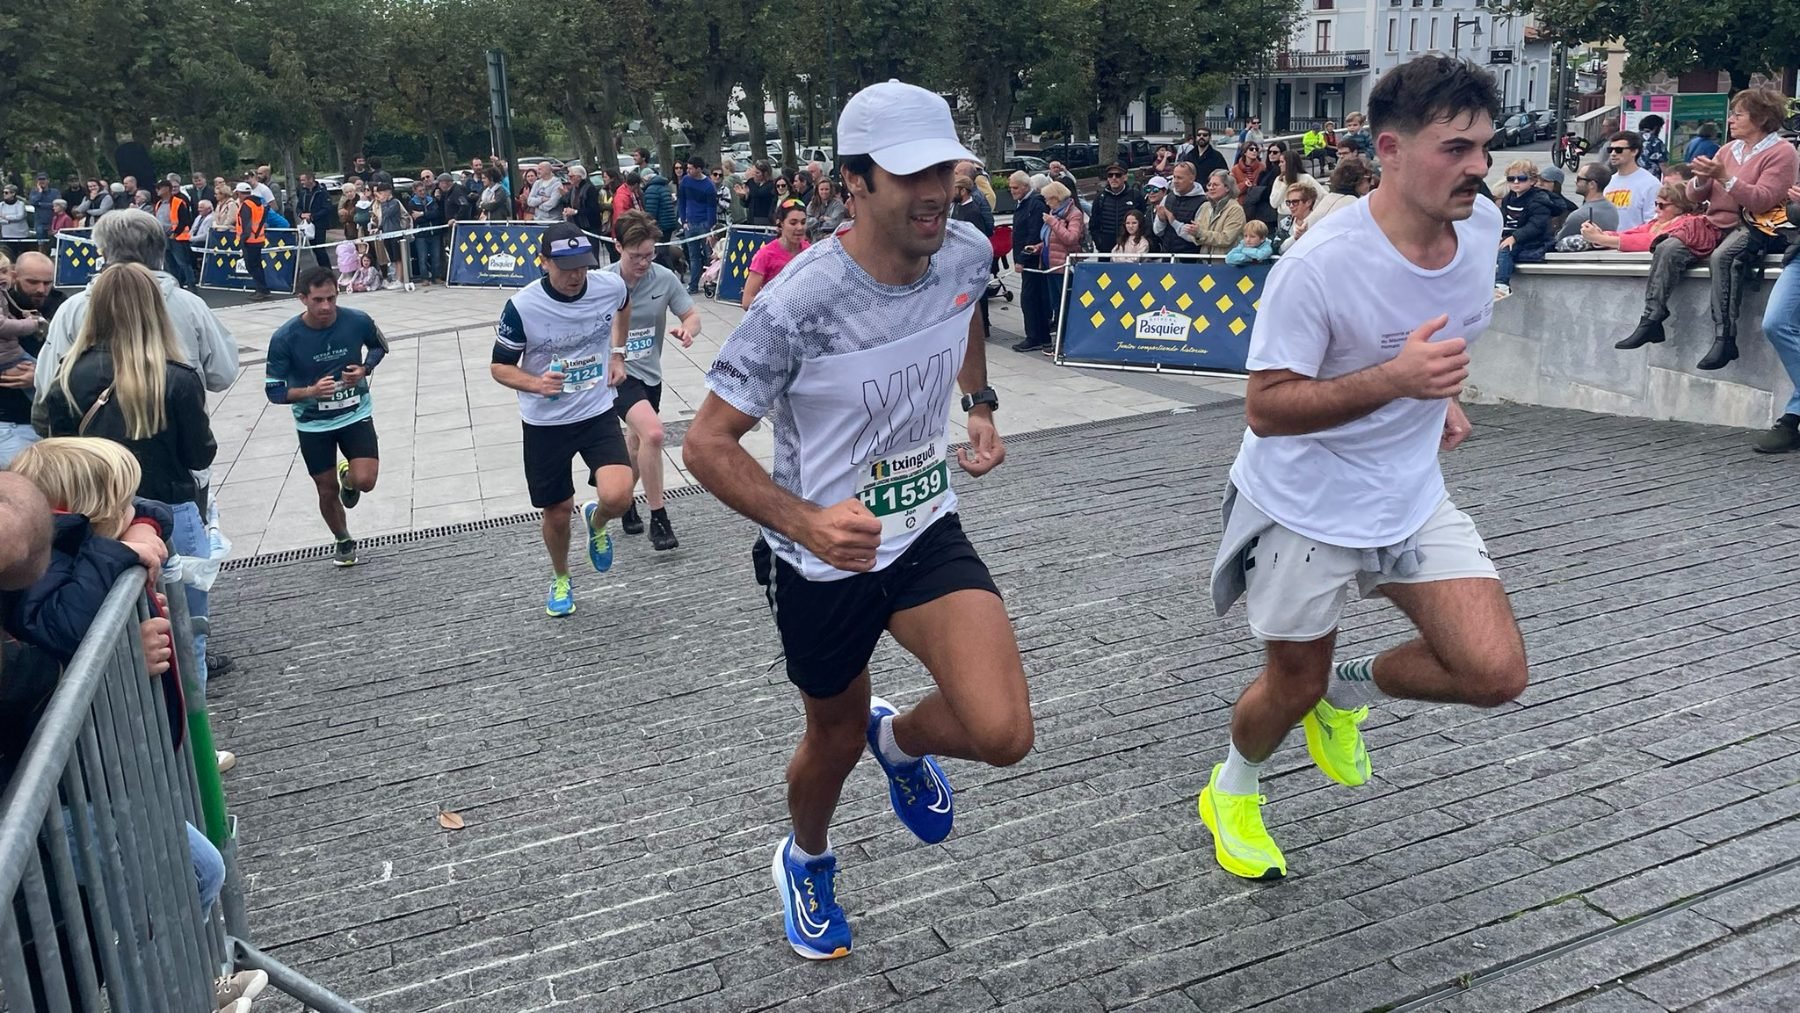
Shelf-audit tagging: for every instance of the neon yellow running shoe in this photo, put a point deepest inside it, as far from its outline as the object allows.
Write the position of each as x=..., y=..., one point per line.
x=1240, y=842
x=1336, y=744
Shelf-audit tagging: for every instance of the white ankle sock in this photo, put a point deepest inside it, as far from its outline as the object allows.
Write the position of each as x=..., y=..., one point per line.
x=799, y=854
x=1238, y=776
x=1353, y=684
x=890, y=750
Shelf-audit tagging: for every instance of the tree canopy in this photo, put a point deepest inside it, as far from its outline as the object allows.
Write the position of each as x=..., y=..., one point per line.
x=1740, y=37
x=314, y=82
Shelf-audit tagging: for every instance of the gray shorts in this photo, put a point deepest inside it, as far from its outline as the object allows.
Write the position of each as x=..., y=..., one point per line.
x=1296, y=587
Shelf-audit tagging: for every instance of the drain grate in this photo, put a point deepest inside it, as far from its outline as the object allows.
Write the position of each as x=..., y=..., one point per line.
x=684, y=492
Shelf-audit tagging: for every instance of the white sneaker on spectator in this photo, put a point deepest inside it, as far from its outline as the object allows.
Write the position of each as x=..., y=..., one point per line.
x=227, y=760
x=1502, y=291
x=234, y=993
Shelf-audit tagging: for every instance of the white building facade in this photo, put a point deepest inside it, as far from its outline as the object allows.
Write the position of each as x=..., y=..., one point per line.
x=1340, y=48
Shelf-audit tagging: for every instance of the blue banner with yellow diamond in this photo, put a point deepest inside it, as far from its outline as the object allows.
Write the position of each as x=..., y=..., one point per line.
x=77, y=258
x=223, y=263
x=495, y=254
x=1186, y=315
x=740, y=246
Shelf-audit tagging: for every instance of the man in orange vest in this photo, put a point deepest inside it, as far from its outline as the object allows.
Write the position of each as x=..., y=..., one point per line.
x=251, y=238
x=177, y=218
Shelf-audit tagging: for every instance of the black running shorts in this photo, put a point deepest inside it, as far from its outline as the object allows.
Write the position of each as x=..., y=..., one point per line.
x=631, y=390
x=829, y=628
x=549, y=450
x=320, y=449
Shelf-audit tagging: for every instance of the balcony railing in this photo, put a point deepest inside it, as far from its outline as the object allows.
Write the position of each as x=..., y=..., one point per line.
x=1333, y=62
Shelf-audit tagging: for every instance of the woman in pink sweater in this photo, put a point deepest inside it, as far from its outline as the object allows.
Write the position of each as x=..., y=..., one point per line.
x=1746, y=185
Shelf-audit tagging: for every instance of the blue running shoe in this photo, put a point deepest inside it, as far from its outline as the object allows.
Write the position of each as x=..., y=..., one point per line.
x=600, y=549
x=562, y=600
x=816, y=926
x=919, y=792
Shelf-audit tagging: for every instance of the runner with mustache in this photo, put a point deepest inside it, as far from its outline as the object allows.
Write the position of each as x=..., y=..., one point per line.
x=1352, y=396
x=853, y=352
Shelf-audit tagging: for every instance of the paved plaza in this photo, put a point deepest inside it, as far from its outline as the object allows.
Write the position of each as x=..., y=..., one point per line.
x=451, y=438
x=1620, y=840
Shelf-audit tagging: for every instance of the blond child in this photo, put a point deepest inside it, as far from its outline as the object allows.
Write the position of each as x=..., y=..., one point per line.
x=1254, y=248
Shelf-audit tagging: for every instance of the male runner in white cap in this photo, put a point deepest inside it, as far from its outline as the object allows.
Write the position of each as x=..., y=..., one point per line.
x=853, y=352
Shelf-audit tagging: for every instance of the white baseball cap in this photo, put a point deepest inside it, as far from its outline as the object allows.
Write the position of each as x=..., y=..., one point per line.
x=903, y=127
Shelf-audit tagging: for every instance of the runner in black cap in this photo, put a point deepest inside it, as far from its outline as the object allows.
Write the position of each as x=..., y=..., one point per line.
x=561, y=345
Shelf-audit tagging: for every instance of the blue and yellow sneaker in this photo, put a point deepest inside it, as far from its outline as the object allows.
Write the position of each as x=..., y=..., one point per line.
x=816, y=926
x=920, y=794
x=600, y=549
x=562, y=600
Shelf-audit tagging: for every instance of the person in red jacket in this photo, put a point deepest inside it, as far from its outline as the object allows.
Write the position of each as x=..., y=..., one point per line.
x=1745, y=190
x=1677, y=237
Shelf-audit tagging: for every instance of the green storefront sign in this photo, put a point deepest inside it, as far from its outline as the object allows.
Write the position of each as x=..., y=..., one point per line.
x=1687, y=112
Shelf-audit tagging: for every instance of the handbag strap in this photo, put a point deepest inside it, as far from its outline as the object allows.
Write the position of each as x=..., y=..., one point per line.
x=99, y=403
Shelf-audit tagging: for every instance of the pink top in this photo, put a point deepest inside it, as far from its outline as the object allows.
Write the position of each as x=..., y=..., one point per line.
x=773, y=256
x=1763, y=174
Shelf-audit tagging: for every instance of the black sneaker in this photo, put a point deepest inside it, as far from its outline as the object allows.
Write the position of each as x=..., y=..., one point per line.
x=1781, y=438
x=218, y=664
x=662, y=536
x=348, y=494
x=346, y=552
x=633, y=524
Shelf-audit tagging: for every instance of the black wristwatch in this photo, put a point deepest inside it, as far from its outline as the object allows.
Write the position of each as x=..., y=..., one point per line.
x=984, y=396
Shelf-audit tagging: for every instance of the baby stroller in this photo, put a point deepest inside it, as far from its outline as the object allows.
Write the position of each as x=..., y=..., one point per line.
x=1001, y=242
x=709, y=278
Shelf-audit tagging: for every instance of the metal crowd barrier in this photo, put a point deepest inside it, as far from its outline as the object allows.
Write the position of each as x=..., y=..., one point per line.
x=101, y=907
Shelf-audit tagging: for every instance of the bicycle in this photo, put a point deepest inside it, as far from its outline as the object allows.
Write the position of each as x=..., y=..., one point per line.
x=1570, y=149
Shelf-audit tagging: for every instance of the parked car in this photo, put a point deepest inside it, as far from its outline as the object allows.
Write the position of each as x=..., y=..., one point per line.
x=1028, y=163
x=560, y=164
x=1545, y=124
x=1519, y=128
x=1136, y=151
x=1074, y=155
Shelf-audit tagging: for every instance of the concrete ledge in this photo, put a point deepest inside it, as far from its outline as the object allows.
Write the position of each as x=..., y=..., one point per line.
x=1551, y=344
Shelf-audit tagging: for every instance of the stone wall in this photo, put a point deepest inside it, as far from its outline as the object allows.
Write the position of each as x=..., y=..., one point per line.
x=1551, y=344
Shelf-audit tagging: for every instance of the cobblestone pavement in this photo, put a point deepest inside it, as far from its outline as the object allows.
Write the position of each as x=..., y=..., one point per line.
x=1623, y=839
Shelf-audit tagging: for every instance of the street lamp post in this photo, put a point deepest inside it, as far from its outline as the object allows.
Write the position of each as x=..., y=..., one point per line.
x=1456, y=26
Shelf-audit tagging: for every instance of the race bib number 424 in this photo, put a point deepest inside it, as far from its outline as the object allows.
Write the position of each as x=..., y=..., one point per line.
x=905, y=489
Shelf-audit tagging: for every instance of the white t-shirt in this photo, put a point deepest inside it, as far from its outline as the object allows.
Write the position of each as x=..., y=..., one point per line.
x=539, y=326
x=1635, y=197
x=1340, y=300
x=858, y=378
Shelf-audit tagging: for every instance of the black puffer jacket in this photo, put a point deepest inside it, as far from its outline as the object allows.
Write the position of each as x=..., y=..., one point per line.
x=1528, y=218
x=169, y=458
x=1109, y=215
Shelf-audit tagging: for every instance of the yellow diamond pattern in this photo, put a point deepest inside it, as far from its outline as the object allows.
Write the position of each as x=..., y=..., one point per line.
x=1185, y=301
x=1104, y=281
x=1201, y=324
x=1237, y=325
x=1087, y=299
x=1117, y=300
x=1126, y=321
x=1097, y=319
x=1224, y=303
x=1134, y=281
x=1146, y=301
x=1168, y=282
x=1212, y=296
x=1245, y=285
x=1206, y=283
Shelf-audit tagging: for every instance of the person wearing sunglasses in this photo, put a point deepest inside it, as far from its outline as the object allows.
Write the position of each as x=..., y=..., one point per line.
x=1633, y=188
x=1525, y=235
x=1590, y=186
x=1115, y=197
